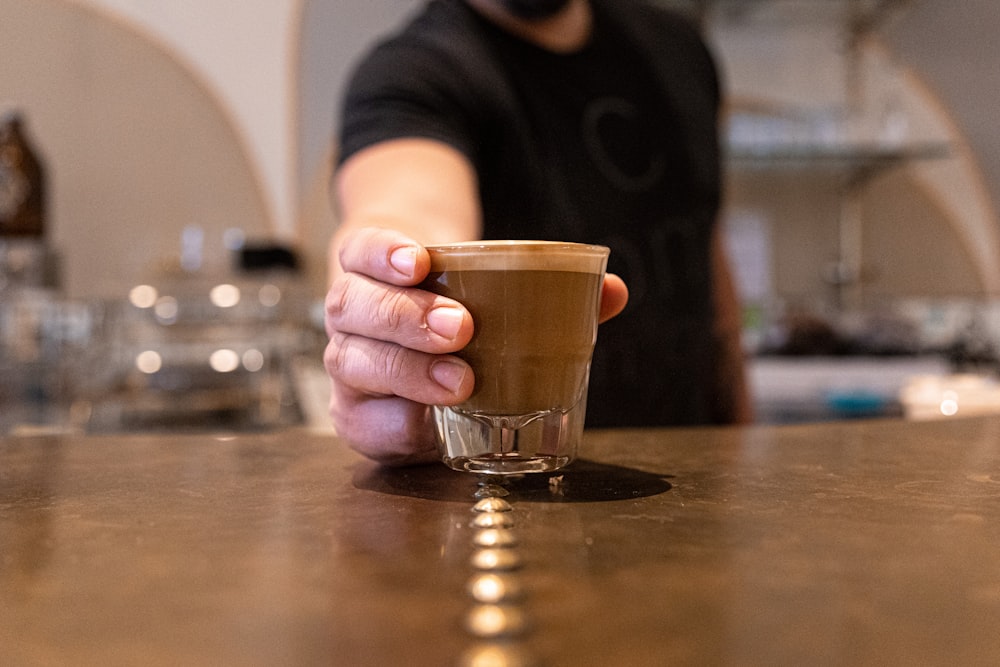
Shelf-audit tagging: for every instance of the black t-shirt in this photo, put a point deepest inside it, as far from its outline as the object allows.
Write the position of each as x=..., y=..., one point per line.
x=614, y=144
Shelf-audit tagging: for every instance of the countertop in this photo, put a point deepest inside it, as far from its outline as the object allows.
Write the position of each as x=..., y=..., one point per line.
x=849, y=543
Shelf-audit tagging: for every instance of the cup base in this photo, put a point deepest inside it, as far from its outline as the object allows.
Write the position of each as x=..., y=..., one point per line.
x=477, y=445
x=500, y=464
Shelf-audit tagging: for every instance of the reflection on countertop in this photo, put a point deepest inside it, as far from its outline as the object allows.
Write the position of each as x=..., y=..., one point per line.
x=867, y=542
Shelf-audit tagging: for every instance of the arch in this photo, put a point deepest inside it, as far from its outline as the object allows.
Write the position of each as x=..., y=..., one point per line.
x=137, y=146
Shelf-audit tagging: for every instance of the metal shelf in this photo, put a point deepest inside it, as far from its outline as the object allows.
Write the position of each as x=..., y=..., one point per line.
x=855, y=165
x=862, y=160
x=852, y=160
x=859, y=16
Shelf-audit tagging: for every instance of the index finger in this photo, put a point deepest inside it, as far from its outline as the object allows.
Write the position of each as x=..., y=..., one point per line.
x=384, y=254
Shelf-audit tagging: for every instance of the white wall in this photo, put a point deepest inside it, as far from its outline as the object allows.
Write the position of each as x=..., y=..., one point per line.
x=244, y=50
x=137, y=145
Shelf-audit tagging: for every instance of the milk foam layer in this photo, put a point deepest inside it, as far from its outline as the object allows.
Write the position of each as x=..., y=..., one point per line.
x=519, y=256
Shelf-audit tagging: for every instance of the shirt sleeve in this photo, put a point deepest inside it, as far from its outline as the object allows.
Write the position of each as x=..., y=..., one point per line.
x=404, y=90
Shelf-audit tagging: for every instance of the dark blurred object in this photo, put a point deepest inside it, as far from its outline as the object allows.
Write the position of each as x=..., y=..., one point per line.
x=871, y=334
x=811, y=335
x=973, y=350
x=26, y=262
x=267, y=257
x=22, y=182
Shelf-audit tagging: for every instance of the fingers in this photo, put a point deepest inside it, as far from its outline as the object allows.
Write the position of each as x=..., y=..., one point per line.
x=389, y=430
x=374, y=296
x=384, y=254
x=380, y=395
x=406, y=316
x=614, y=297
x=366, y=367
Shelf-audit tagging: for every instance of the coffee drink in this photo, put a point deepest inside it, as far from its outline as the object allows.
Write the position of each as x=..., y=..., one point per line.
x=534, y=306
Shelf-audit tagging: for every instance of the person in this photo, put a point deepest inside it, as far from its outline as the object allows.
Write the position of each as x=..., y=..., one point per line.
x=584, y=120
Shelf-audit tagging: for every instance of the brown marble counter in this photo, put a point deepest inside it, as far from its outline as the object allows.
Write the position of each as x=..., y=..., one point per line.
x=861, y=543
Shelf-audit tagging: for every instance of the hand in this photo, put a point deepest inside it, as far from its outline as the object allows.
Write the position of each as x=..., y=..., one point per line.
x=389, y=355
x=391, y=344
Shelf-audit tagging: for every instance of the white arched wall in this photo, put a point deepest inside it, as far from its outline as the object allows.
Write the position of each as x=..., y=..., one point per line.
x=271, y=71
x=244, y=52
x=958, y=186
x=137, y=145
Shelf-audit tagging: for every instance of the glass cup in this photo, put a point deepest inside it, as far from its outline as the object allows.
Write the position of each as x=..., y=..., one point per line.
x=535, y=306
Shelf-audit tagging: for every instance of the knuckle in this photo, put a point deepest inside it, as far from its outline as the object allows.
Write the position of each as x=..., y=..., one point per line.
x=391, y=361
x=365, y=250
x=377, y=310
x=335, y=355
x=391, y=309
x=365, y=365
x=389, y=431
x=344, y=419
x=338, y=297
x=349, y=249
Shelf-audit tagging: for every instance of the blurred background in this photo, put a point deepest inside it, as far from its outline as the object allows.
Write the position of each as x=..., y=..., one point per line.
x=178, y=277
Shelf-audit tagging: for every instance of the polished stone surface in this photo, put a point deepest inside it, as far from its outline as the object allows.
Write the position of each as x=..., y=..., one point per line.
x=854, y=543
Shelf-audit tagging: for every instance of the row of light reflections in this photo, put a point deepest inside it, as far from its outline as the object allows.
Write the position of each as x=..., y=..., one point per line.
x=496, y=618
x=223, y=295
x=166, y=310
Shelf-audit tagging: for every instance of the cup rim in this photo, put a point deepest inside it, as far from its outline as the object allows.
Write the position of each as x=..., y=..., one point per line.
x=523, y=255
x=507, y=244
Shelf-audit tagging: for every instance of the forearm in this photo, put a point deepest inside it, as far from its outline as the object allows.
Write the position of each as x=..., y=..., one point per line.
x=422, y=188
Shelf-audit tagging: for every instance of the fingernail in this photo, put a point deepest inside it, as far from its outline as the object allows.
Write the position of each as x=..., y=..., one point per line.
x=449, y=374
x=445, y=321
x=404, y=260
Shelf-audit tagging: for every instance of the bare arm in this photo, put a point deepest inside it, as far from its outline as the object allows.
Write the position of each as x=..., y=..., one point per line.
x=422, y=188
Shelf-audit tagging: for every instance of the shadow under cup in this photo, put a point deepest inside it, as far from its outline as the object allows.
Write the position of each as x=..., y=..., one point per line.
x=535, y=307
